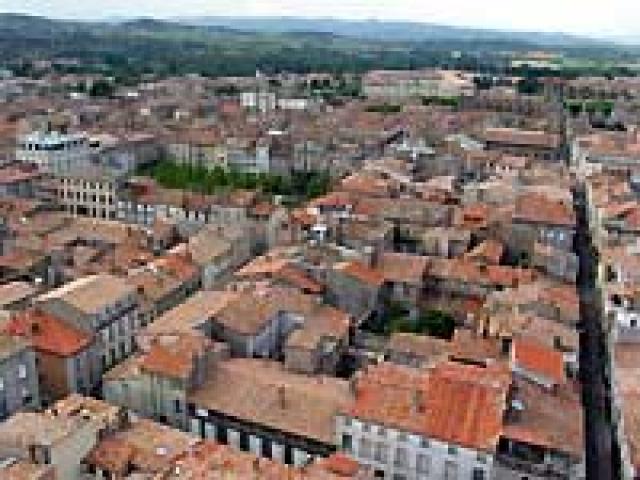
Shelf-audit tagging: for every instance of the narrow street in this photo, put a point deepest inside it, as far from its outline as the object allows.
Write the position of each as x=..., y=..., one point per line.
x=598, y=431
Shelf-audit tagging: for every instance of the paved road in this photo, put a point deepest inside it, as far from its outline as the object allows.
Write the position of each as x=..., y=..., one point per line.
x=598, y=432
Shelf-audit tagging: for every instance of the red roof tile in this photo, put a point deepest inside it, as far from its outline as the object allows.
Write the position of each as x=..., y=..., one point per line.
x=48, y=333
x=362, y=272
x=456, y=403
x=537, y=208
x=537, y=358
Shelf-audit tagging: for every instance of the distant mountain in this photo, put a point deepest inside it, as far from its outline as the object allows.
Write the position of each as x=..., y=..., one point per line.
x=386, y=31
x=130, y=48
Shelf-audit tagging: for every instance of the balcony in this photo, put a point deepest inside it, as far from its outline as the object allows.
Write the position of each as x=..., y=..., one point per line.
x=545, y=470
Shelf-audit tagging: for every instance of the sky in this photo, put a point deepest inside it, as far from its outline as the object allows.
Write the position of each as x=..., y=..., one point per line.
x=618, y=18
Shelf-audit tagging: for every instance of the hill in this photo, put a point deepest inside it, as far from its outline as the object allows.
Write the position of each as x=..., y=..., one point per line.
x=127, y=49
x=388, y=31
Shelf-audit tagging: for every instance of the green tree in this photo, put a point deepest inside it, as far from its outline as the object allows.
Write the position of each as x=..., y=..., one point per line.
x=102, y=88
x=437, y=324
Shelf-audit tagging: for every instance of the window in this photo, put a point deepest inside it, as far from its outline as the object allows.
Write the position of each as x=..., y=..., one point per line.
x=26, y=396
x=221, y=435
x=3, y=405
x=266, y=448
x=365, y=449
x=347, y=442
x=482, y=458
x=452, y=450
x=380, y=453
x=402, y=437
x=478, y=474
x=177, y=406
x=1, y=384
x=402, y=458
x=557, y=343
x=424, y=443
x=450, y=470
x=22, y=371
x=423, y=463
x=245, y=443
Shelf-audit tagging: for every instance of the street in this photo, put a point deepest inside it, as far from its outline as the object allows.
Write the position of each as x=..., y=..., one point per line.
x=600, y=464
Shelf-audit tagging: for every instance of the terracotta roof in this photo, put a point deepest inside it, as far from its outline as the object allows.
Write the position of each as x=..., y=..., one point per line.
x=467, y=346
x=263, y=392
x=190, y=314
x=418, y=344
x=365, y=184
x=14, y=175
x=514, y=136
x=342, y=465
x=550, y=420
x=325, y=322
x=626, y=374
x=402, y=267
x=489, y=251
x=174, y=358
x=49, y=334
x=23, y=470
x=296, y=277
x=281, y=269
x=211, y=461
x=19, y=259
x=145, y=446
x=263, y=209
x=303, y=217
x=475, y=215
x=11, y=345
x=333, y=199
x=536, y=208
x=472, y=272
x=539, y=359
x=361, y=272
x=263, y=265
x=15, y=292
x=91, y=294
x=455, y=403
x=247, y=314
x=112, y=455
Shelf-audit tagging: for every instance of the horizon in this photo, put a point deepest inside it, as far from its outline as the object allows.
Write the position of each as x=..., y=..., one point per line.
x=572, y=17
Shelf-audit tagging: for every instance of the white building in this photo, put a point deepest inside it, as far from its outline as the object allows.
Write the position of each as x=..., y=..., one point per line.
x=397, y=85
x=458, y=421
x=89, y=191
x=54, y=152
x=394, y=425
x=261, y=101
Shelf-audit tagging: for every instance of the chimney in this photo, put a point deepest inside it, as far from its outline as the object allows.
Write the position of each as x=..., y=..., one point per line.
x=515, y=412
x=282, y=400
x=35, y=328
x=353, y=383
x=417, y=402
x=505, y=344
x=372, y=254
